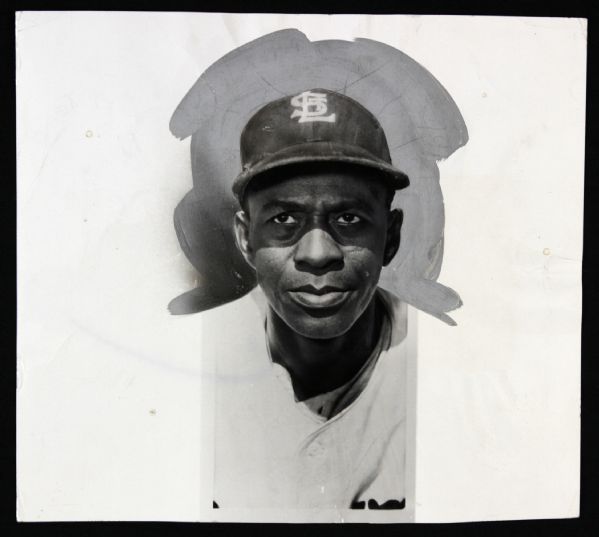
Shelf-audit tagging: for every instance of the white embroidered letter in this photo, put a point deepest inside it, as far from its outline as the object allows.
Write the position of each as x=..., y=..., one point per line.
x=311, y=107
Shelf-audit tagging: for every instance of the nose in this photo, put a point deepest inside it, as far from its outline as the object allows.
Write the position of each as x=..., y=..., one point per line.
x=318, y=251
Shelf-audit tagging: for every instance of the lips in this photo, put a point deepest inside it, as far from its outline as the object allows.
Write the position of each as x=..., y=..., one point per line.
x=312, y=297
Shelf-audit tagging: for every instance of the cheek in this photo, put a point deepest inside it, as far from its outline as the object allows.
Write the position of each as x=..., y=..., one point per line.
x=365, y=262
x=271, y=265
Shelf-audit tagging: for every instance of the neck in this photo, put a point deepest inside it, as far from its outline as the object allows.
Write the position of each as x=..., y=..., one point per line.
x=320, y=365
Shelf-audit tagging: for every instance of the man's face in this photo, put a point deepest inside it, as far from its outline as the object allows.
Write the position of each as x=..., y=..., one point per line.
x=318, y=242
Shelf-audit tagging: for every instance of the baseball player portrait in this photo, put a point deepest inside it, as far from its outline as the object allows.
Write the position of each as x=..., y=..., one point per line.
x=290, y=230
x=298, y=268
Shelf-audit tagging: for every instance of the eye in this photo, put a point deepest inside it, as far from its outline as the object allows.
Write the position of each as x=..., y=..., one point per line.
x=348, y=219
x=284, y=218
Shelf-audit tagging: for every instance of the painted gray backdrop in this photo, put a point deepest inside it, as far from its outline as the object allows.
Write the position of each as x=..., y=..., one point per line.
x=421, y=121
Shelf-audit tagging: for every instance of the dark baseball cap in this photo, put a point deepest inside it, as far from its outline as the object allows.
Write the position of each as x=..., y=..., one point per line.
x=317, y=125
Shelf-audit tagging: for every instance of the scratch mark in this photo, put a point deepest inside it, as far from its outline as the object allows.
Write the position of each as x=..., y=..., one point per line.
x=429, y=127
x=212, y=90
x=367, y=74
x=46, y=155
x=345, y=85
x=388, y=103
x=269, y=84
x=406, y=143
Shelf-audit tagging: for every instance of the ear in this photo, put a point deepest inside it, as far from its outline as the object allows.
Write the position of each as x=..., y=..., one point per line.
x=393, y=235
x=242, y=236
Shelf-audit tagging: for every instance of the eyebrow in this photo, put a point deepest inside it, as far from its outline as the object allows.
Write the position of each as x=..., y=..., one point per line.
x=281, y=204
x=288, y=205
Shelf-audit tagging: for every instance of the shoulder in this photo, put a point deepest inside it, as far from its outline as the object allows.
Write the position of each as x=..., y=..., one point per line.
x=398, y=315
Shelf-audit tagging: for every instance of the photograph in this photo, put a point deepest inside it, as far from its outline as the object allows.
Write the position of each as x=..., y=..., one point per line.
x=298, y=268
x=309, y=354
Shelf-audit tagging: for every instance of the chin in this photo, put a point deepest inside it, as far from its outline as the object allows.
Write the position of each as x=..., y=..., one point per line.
x=320, y=328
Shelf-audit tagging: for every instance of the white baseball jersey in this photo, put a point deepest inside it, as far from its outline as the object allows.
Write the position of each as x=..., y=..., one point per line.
x=272, y=451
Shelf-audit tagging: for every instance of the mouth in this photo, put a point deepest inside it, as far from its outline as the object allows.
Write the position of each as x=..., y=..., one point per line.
x=312, y=297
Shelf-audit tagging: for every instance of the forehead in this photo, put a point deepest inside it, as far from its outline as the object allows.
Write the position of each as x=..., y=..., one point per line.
x=317, y=188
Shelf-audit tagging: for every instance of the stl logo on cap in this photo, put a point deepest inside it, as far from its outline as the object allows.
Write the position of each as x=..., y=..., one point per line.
x=311, y=106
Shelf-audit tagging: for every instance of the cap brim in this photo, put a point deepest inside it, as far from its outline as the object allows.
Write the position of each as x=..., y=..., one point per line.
x=321, y=152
